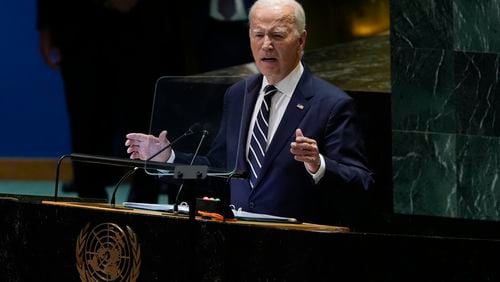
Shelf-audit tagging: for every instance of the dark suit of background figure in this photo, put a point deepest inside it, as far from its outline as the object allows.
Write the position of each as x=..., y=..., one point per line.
x=112, y=52
x=284, y=186
x=220, y=43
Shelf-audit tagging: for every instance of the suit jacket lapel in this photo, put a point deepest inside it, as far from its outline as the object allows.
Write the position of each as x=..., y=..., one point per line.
x=297, y=107
x=249, y=99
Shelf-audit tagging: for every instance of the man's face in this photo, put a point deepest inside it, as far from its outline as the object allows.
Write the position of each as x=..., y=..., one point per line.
x=276, y=44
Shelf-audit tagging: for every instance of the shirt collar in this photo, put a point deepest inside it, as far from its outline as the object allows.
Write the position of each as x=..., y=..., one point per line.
x=287, y=85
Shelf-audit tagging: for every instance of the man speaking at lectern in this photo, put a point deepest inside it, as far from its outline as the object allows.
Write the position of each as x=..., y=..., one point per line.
x=303, y=150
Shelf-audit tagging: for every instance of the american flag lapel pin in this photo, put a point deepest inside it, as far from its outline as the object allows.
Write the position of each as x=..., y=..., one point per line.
x=300, y=106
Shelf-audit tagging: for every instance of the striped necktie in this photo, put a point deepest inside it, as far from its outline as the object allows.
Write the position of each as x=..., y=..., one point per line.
x=258, y=143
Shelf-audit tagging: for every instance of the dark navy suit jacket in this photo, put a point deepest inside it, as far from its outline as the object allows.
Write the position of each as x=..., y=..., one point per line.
x=323, y=112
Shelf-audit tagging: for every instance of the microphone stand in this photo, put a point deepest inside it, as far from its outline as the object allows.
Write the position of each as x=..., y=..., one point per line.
x=125, y=176
x=192, y=205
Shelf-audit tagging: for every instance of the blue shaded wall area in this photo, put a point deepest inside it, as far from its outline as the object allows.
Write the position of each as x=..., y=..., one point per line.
x=33, y=117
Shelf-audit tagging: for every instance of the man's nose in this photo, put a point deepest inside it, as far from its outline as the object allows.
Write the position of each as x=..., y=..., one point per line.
x=268, y=43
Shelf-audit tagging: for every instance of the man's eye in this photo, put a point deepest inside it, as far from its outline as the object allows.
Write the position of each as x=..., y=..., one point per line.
x=257, y=34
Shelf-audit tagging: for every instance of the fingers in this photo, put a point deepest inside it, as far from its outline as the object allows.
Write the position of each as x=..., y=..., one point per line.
x=132, y=149
x=303, y=145
x=136, y=136
x=306, y=150
x=298, y=133
x=163, y=135
x=134, y=142
x=300, y=138
x=141, y=146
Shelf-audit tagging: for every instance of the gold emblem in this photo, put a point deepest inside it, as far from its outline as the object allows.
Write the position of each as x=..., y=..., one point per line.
x=108, y=253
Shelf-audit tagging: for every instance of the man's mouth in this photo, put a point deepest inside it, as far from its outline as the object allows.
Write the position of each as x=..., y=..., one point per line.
x=269, y=59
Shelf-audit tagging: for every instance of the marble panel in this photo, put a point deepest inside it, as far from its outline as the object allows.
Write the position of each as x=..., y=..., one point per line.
x=478, y=170
x=477, y=87
x=422, y=24
x=361, y=65
x=422, y=90
x=424, y=173
x=476, y=25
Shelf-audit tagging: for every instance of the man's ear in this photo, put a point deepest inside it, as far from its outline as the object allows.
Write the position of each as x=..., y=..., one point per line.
x=302, y=39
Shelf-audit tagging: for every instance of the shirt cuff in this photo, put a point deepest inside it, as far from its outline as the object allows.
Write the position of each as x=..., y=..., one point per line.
x=321, y=171
x=171, y=159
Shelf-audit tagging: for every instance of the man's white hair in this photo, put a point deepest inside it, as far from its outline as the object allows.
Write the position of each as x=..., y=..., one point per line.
x=299, y=14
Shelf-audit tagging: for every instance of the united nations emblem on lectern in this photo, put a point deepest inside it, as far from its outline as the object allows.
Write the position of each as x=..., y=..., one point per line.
x=108, y=253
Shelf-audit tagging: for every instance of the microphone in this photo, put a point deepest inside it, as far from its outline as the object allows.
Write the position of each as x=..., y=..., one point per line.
x=193, y=129
x=176, y=203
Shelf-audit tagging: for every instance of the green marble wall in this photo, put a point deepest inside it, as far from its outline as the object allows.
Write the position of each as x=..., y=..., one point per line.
x=445, y=68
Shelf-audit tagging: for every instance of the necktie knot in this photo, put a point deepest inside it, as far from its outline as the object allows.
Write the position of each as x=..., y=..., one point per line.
x=270, y=90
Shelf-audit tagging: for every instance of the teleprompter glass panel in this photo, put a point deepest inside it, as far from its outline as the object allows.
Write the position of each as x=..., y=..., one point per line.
x=194, y=103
